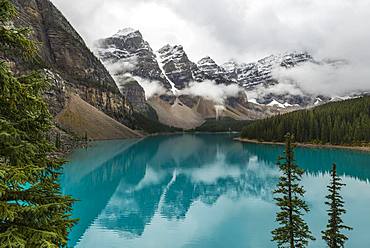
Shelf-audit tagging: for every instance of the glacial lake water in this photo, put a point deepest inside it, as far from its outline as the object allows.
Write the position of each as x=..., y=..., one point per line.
x=202, y=191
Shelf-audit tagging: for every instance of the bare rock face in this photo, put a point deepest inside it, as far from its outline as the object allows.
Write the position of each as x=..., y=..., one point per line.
x=210, y=70
x=134, y=93
x=64, y=53
x=176, y=65
x=58, y=95
x=241, y=99
x=133, y=54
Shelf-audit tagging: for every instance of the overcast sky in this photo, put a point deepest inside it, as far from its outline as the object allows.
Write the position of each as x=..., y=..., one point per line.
x=244, y=30
x=240, y=29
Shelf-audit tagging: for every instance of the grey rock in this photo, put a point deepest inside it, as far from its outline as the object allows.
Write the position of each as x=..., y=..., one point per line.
x=177, y=66
x=64, y=53
x=132, y=54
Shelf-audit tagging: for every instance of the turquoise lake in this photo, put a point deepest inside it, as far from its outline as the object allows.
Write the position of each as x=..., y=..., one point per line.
x=202, y=191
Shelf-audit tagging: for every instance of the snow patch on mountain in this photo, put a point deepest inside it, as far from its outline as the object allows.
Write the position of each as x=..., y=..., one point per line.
x=275, y=103
x=160, y=63
x=125, y=32
x=151, y=88
x=210, y=90
x=279, y=80
x=253, y=100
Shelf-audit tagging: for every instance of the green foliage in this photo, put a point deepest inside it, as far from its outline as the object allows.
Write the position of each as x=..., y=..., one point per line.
x=332, y=235
x=151, y=126
x=345, y=122
x=86, y=138
x=58, y=142
x=33, y=212
x=13, y=41
x=222, y=125
x=293, y=231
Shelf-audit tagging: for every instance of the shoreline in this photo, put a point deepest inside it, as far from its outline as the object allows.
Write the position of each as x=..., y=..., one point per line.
x=356, y=148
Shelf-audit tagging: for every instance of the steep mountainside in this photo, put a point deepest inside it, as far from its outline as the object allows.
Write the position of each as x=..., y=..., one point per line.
x=177, y=66
x=212, y=71
x=172, y=67
x=83, y=119
x=343, y=122
x=128, y=54
x=133, y=53
x=71, y=66
x=260, y=72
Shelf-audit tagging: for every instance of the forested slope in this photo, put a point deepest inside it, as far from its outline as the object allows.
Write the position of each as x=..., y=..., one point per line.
x=344, y=122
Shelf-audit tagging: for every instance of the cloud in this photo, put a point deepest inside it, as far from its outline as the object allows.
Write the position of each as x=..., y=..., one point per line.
x=211, y=91
x=217, y=93
x=283, y=88
x=121, y=66
x=243, y=30
x=121, y=72
x=151, y=88
x=325, y=79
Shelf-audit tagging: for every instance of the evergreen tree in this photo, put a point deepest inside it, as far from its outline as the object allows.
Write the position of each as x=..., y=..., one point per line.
x=33, y=212
x=332, y=235
x=293, y=231
x=344, y=122
x=58, y=142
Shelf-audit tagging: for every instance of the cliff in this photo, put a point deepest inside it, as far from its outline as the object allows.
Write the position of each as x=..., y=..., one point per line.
x=71, y=66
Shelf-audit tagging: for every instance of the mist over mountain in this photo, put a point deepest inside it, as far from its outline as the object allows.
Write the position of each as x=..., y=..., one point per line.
x=282, y=80
x=246, y=32
x=167, y=83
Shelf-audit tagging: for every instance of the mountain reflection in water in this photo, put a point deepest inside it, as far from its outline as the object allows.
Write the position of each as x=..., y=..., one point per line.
x=191, y=191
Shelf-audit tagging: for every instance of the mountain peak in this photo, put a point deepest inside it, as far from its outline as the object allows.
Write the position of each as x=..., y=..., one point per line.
x=209, y=66
x=171, y=49
x=231, y=65
x=176, y=65
x=126, y=32
x=206, y=59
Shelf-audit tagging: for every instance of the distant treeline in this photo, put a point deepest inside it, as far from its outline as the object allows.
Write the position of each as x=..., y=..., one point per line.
x=225, y=124
x=344, y=122
x=150, y=125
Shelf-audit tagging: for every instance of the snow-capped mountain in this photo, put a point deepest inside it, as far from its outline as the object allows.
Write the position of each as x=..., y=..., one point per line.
x=170, y=66
x=127, y=51
x=177, y=66
x=127, y=54
x=260, y=72
x=212, y=71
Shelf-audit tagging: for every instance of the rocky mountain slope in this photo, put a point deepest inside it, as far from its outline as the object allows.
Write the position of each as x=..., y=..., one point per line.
x=72, y=67
x=128, y=53
x=176, y=66
x=133, y=54
x=172, y=73
x=259, y=75
x=260, y=72
x=83, y=119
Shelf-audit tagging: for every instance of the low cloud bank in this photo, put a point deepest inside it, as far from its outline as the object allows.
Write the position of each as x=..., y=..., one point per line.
x=332, y=79
x=151, y=88
x=122, y=66
x=207, y=89
x=217, y=93
x=282, y=88
x=324, y=79
x=212, y=91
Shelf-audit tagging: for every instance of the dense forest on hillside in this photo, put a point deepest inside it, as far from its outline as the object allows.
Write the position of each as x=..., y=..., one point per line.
x=344, y=122
x=222, y=125
x=151, y=126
